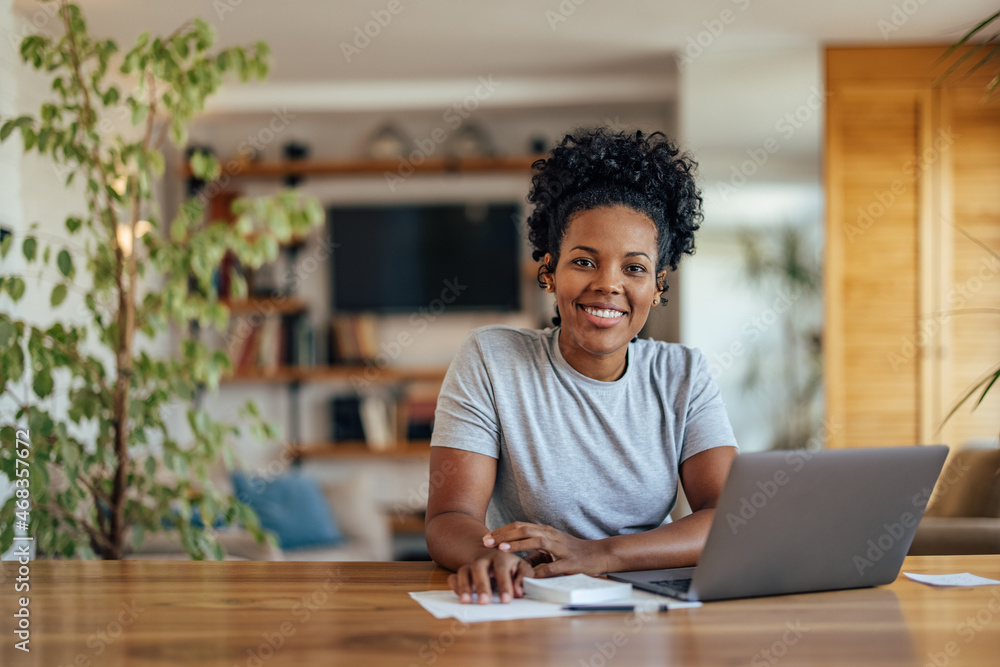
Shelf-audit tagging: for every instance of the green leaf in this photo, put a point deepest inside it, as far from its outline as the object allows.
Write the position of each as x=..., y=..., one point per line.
x=58, y=294
x=30, y=248
x=5, y=245
x=42, y=383
x=73, y=224
x=13, y=363
x=12, y=125
x=65, y=263
x=15, y=287
x=7, y=332
x=149, y=465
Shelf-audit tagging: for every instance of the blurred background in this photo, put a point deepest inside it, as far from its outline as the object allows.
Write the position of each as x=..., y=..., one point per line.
x=369, y=93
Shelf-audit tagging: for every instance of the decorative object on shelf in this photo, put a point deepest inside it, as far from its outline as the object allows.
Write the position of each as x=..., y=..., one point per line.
x=388, y=142
x=538, y=145
x=294, y=151
x=471, y=140
x=88, y=494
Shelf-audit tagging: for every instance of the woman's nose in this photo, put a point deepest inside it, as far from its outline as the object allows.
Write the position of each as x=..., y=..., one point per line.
x=607, y=281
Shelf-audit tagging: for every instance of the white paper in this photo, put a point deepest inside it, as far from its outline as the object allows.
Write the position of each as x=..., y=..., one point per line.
x=445, y=604
x=960, y=579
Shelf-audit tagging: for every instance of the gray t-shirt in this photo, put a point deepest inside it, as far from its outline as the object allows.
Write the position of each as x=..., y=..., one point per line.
x=590, y=458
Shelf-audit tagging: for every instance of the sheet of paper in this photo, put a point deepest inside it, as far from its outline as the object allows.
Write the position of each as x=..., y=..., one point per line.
x=445, y=604
x=960, y=579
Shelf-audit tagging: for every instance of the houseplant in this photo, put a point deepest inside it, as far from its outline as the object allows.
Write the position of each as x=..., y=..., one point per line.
x=780, y=261
x=111, y=466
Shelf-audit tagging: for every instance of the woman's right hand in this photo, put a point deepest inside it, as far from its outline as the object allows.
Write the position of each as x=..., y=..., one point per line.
x=500, y=569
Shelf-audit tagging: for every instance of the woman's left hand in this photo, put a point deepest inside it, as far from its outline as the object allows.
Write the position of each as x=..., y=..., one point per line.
x=565, y=554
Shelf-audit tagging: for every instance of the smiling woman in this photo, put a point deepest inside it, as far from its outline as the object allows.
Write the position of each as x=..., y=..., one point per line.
x=563, y=447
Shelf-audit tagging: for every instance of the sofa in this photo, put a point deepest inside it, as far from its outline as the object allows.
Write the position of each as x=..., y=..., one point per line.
x=362, y=522
x=963, y=515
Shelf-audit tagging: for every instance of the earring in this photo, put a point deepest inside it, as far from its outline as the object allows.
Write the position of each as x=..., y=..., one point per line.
x=656, y=301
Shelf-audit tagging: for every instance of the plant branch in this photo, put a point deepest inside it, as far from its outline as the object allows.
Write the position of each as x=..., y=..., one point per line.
x=89, y=115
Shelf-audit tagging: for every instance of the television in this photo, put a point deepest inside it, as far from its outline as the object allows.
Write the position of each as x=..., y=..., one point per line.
x=398, y=258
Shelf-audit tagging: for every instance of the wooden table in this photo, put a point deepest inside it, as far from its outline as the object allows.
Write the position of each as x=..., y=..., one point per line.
x=252, y=614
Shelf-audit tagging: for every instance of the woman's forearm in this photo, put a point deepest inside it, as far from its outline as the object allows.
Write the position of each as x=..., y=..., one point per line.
x=677, y=544
x=455, y=539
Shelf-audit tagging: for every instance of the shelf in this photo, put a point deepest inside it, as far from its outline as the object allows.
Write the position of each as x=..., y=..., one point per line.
x=417, y=449
x=431, y=165
x=339, y=374
x=267, y=305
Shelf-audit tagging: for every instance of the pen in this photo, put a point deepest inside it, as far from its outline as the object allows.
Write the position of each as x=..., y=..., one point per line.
x=616, y=607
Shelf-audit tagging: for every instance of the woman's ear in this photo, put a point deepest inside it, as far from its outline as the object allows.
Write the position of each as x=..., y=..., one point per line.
x=661, y=286
x=546, y=273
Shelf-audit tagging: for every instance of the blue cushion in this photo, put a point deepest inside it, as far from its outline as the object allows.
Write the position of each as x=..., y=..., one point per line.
x=292, y=507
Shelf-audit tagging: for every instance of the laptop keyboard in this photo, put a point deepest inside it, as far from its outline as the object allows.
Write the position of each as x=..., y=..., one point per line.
x=673, y=587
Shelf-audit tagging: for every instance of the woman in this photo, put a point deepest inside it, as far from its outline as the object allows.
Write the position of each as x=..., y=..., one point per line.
x=566, y=444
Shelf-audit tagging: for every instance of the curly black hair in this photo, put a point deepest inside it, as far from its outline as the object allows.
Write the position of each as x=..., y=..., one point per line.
x=599, y=167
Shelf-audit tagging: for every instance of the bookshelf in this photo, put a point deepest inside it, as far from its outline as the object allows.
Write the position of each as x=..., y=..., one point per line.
x=283, y=362
x=262, y=170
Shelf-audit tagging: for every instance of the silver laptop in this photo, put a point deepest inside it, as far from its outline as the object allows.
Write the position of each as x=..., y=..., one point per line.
x=801, y=521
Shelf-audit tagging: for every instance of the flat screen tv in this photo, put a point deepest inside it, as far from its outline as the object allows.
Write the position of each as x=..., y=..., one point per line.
x=404, y=257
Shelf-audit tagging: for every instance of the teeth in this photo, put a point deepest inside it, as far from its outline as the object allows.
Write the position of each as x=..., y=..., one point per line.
x=609, y=314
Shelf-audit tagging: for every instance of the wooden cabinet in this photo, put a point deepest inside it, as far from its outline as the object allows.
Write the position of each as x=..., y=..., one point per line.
x=912, y=278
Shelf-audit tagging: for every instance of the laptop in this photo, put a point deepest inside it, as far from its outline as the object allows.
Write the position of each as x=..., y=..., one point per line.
x=802, y=521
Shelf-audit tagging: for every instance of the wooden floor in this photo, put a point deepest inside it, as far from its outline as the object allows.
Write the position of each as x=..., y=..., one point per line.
x=137, y=613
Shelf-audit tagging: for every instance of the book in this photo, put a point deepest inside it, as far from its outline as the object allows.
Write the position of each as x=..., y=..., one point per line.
x=375, y=422
x=576, y=589
x=345, y=419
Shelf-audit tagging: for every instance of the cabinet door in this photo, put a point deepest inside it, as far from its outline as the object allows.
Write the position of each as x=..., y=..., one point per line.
x=969, y=289
x=913, y=225
x=874, y=140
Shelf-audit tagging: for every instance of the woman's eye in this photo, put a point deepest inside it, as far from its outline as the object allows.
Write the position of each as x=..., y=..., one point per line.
x=582, y=261
x=637, y=268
